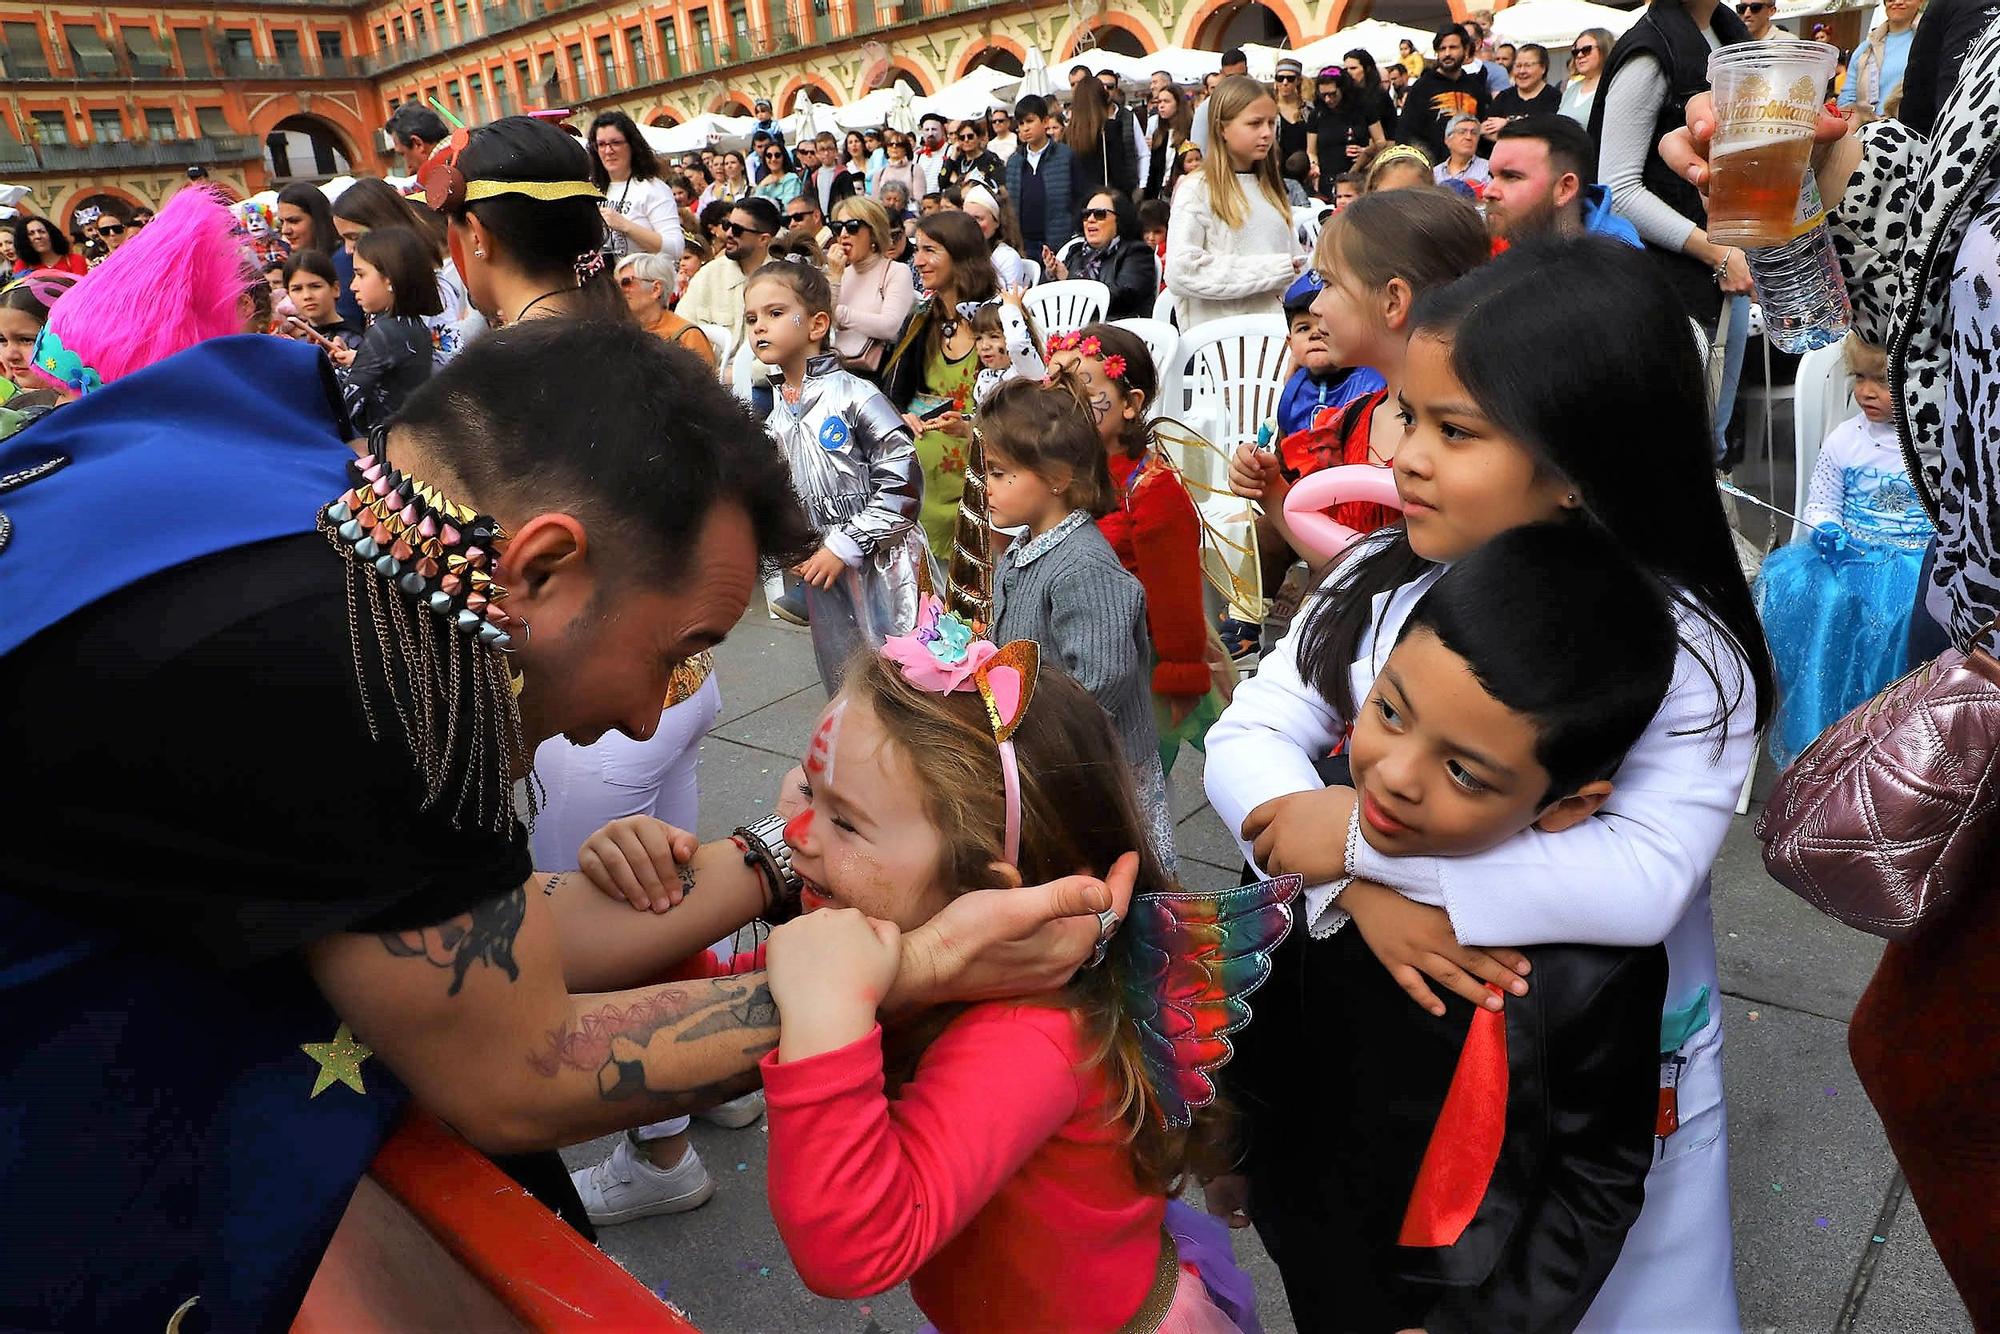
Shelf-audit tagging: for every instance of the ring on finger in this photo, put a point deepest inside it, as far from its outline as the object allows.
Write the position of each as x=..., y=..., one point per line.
x=1107, y=926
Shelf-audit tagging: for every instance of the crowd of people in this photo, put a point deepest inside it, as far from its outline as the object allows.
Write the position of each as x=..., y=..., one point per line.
x=364, y=657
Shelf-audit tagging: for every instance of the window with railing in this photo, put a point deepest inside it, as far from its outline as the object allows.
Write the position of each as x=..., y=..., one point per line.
x=197, y=61
x=381, y=37
x=51, y=129
x=25, y=57
x=524, y=82
x=107, y=127
x=579, y=76
x=241, y=44
x=462, y=18
x=455, y=95
x=607, y=67
x=704, y=41
x=670, y=47
x=88, y=52
x=402, y=33
x=475, y=90
x=214, y=123
x=161, y=124
x=329, y=44
x=635, y=51
x=417, y=25
x=286, y=51
x=739, y=27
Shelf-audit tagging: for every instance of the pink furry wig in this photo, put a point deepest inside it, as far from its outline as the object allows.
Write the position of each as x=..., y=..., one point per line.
x=176, y=282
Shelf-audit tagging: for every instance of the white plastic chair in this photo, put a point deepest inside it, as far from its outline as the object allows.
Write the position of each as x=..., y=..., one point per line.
x=1234, y=373
x=1031, y=272
x=744, y=372
x=1163, y=343
x=1163, y=308
x=724, y=343
x=1823, y=397
x=1065, y=307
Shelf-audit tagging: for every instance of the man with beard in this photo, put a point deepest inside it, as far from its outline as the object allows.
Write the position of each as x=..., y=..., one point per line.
x=1447, y=89
x=1545, y=179
x=715, y=295
x=270, y=885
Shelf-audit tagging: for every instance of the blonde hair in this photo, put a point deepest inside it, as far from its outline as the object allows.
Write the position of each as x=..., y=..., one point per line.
x=1865, y=360
x=1231, y=98
x=866, y=211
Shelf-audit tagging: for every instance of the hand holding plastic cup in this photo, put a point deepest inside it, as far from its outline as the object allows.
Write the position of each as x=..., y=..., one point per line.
x=1766, y=97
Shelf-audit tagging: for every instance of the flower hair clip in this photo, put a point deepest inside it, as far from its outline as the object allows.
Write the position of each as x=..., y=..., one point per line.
x=943, y=655
x=1114, y=367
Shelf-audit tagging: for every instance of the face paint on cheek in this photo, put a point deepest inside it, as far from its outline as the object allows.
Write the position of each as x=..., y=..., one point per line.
x=825, y=740
x=1100, y=405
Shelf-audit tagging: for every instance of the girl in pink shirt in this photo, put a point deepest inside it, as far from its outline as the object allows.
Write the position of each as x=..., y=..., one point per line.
x=1014, y=1161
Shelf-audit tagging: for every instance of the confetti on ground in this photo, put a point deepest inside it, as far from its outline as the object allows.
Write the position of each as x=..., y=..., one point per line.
x=1833, y=1093
x=1754, y=1016
x=1777, y=1188
x=1822, y=1222
x=864, y=1310
x=764, y=1271
x=1732, y=935
x=1878, y=1239
x=743, y=1167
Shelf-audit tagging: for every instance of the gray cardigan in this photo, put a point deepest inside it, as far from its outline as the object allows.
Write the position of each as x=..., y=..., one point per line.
x=1066, y=591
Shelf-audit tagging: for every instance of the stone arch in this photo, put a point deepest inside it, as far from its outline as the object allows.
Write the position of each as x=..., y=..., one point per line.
x=821, y=91
x=661, y=117
x=996, y=49
x=306, y=148
x=88, y=195
x=904, y=70
x=1139, y=40
x=732, y=104
x=354, y=137
x=1222, y=24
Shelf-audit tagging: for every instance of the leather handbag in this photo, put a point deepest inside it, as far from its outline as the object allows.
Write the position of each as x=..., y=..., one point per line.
x=1895, y=809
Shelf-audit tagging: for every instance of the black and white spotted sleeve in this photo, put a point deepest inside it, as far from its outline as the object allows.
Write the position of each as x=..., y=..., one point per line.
x=1871, y=223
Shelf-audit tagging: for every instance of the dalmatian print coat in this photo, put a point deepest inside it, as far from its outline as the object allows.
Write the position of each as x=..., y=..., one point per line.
x=1918, y=236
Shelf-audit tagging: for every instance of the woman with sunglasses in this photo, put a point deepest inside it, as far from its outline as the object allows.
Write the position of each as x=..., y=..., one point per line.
x=1341, y=128
x=1294, y=111
x=873, y=294
x=1586, y=62
x=898, y=167
x=1111, y=251
x=781, y=182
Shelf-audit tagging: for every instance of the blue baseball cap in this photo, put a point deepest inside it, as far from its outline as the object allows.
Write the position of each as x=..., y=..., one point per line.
x=1305, y=289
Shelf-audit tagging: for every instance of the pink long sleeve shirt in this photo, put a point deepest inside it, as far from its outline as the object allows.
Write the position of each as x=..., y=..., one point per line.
x=994, y=1182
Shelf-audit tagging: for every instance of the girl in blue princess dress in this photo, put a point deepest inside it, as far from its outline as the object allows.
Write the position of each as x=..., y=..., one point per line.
x=1836, y=605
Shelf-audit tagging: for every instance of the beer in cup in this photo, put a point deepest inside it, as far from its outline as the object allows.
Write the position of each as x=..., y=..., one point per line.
x=1767, y=96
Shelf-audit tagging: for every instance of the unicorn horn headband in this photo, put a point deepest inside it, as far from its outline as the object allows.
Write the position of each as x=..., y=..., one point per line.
x=943, y=656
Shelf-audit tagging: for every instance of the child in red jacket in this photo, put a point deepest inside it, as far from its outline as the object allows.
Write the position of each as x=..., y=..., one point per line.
x=1155, y=529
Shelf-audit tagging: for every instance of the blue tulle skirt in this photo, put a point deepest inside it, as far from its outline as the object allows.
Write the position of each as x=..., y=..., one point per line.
x=1838, y=632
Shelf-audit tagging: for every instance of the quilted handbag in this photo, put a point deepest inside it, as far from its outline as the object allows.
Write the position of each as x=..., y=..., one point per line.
x=1895, y=809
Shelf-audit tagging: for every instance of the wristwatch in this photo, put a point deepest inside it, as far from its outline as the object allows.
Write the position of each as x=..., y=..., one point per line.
x=764, y=847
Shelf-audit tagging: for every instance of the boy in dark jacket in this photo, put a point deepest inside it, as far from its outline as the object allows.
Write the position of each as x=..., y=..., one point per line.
x=1041, y=180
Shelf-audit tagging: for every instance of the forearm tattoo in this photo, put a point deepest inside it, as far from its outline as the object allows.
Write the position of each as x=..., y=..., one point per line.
x=484, y=935
x=629, y=1045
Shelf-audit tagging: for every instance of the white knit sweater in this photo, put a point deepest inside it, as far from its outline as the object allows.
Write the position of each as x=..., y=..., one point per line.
x=1215, y=271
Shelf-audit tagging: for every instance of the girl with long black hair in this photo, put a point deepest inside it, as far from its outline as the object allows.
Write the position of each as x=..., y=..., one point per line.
x=1492, y=441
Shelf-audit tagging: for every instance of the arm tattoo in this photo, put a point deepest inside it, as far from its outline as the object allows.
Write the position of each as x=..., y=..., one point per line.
x=483, y=935
x=629, y=1046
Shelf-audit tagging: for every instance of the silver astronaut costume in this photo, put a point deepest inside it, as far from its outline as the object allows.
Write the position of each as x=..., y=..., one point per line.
x=855, y=468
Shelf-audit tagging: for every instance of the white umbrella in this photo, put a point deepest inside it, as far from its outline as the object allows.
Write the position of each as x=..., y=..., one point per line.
x=1036, y=81
x=1377, y=38
x=1556, y=23
x=870, y=112
x=968, y=98
x=901, y=118
x=809, y=118
x=696, y=132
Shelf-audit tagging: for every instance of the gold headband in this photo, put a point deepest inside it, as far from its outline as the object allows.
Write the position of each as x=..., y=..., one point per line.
x=545, y=191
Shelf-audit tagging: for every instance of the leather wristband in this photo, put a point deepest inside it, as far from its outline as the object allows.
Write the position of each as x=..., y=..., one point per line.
x=764, y=847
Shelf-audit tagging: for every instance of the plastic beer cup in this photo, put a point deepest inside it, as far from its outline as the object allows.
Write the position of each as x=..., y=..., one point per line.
x=1767, y=96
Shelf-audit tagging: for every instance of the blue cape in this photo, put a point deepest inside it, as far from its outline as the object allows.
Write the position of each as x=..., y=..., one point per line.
x=234, y=441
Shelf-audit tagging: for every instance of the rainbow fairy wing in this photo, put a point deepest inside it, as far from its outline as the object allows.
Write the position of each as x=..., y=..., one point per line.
x=1191, y=960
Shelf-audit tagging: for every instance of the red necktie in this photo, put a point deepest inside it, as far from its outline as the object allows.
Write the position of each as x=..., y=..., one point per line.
x=1465, y=1143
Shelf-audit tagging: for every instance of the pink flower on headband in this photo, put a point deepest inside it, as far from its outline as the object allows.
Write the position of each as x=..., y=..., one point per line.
x=942, y=654
x=1114, y=367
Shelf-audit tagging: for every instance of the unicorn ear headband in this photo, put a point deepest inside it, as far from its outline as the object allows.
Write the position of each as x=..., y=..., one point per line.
x=943, y=655
x=445, y=187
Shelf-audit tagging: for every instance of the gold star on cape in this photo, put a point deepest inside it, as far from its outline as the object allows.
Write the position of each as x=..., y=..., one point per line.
x=339, y=1059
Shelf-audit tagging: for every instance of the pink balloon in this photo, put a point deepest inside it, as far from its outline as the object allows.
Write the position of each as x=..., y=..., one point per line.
x=1309, y=505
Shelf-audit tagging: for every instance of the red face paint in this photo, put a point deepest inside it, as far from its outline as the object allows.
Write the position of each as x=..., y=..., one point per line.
x=798, y=826
x=820, y=754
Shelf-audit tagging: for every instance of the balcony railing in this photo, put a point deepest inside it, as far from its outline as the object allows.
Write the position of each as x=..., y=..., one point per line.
x=125, y=66
x=130, y=154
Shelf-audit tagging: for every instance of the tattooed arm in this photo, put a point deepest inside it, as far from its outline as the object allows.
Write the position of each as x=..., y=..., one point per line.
x=475, y=1017
x=607, y=944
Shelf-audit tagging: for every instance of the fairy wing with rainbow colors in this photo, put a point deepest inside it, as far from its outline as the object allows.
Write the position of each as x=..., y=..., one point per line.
x=1191, y=960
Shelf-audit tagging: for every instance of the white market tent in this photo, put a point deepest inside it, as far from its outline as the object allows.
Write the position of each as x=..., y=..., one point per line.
x=1377, y=38
x=970, y=97
x=697, y=132
x=1556, y=23
x=1186, y=65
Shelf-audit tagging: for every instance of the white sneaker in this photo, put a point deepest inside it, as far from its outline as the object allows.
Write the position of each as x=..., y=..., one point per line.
x=625, y=1186
x=737, y=1112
